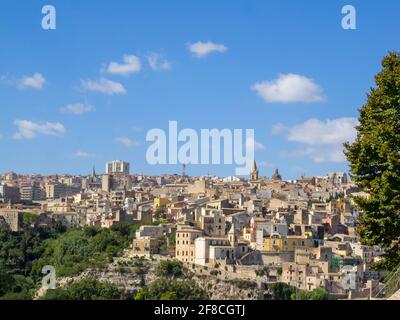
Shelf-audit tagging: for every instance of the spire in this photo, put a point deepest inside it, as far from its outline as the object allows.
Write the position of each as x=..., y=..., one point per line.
x=276, y=175
x=254, y=172
x=94, y=171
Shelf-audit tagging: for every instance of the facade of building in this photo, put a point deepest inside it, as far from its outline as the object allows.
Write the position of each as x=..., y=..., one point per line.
x=13, y=218
x=117, y=166
x=145, y=246
x=32, y=192
x=212, y=250
x=213, y=223
x=9, y=193
x=185, y=242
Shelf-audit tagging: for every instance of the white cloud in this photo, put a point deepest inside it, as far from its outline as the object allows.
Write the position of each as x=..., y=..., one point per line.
x=131, y=65
x=127, y=142
x=77, y=108
x=316, y=132
x=321, y=154
x=257, y=145
x=29, y=129
x=323, y=140
x=289, y=88
x=158, y=62
x=104, y=86
x=202, y=49
x=278, y=128
x=83, y=154
x=36, y=81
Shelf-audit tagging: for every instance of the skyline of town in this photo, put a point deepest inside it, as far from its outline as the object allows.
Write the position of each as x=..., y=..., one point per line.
x=243, y=236
x=183, y=172
x=79, y=98
x=205, y=151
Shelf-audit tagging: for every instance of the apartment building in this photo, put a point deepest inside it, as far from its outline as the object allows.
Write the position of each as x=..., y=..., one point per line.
x=185, y=242
x=9, y=193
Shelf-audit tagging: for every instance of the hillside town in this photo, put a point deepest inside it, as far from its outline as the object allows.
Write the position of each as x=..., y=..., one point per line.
x=265, y=229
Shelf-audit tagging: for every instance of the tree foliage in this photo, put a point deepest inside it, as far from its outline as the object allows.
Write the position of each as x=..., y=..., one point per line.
x=170, y=268
x=19, y=252
x=79, y=249
x=163, y=289
x=283, y=291
x=86, y=289
x=23, y=254
x=316, y=294
x=374, y=160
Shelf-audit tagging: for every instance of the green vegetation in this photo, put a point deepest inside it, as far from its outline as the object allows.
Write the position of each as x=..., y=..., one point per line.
x=375, y=163
x=159, y=213
x=79, y=249
x=170, y=269
x=140, y=268
x=262, y=272
x=316, y=294
x=243, y=284
x=86, y=289
x=19, y=252
x=283, y=291
x=163, y=289
x=24, y=253
x=215, y=272
x=29, y=218
x=166, y=242
x=169, y=286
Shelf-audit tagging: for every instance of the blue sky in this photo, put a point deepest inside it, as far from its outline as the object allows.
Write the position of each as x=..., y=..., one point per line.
x=46, y=77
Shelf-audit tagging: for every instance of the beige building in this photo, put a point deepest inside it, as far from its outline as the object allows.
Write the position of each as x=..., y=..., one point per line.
x=13, y=218
x=279, y=243
x=199, y=186
x=213, y=223
x=185, y=242
x=117, y=166
x=55, y=190
x=310, y=269
x=145, y=246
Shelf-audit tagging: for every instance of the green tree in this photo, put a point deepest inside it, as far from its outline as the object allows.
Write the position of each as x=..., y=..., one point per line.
x=170, y=268
x=318, y=294
x=282, y=291
x=374, y=160
x=86, y=289
x=159, y=213
x=171, y=290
